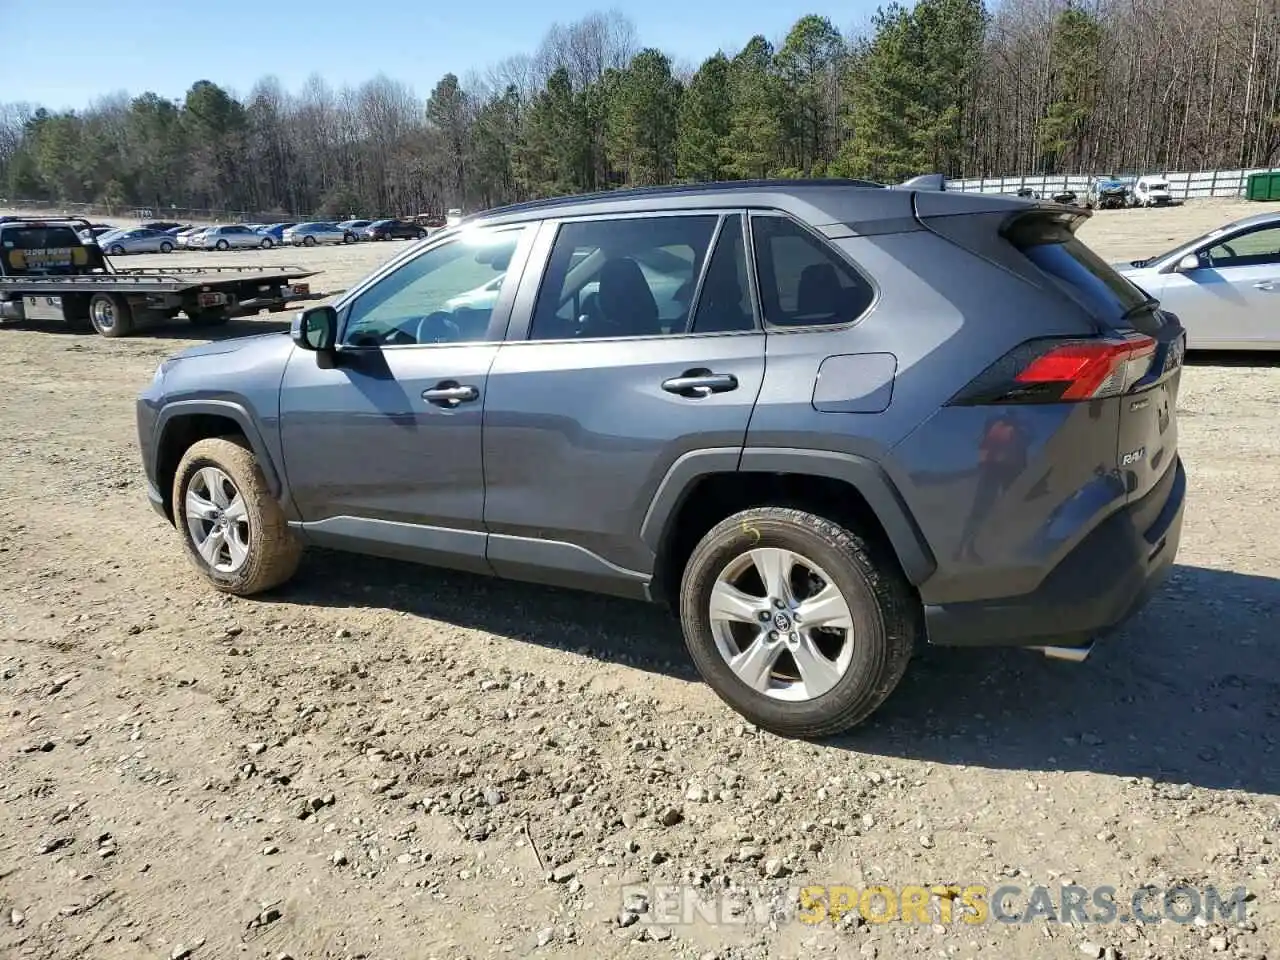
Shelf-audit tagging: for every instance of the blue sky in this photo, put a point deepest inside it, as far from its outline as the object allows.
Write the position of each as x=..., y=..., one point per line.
x=137, y=45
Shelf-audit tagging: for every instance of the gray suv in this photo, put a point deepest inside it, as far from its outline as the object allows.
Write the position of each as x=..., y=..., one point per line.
x=822, y=420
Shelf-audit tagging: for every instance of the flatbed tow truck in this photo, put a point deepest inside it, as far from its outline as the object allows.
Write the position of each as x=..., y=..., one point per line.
x=47, y=272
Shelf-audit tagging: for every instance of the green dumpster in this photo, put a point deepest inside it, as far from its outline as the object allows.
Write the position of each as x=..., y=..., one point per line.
x=1263, y=186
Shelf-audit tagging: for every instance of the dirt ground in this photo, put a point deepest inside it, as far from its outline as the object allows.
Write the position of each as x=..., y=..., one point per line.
x=384, y=761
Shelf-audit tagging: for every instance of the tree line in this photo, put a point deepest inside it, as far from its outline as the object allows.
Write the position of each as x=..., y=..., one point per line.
x=950, y=86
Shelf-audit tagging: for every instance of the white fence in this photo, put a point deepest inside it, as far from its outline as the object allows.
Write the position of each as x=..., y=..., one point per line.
x=1183, y=186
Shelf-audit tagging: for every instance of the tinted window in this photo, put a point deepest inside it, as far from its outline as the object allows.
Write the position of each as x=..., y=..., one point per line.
x=630, y=277
x=1257, y=248
x=724, y=301
x=803, y=282
x=445, y=295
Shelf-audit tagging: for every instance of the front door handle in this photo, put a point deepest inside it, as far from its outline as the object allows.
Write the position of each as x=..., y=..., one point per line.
x=700, y=383
x=450, y=393
x=1270, y=286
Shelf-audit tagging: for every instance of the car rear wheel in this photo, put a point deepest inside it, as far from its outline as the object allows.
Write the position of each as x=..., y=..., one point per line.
x=116, y=250
x=800, y=625
x=166, y=247
x=222, y=245
x=308, y=241
x=267, y=243
x=233, y=529
x=111, y=314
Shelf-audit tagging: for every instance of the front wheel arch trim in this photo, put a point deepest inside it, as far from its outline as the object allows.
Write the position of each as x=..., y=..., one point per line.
x=232, y=411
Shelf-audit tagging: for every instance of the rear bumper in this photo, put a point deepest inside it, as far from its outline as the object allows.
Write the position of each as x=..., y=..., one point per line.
x=1104, y=581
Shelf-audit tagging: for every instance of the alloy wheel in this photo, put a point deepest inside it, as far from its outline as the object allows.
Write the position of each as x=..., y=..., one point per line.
x=217, y=520
x=781, y=624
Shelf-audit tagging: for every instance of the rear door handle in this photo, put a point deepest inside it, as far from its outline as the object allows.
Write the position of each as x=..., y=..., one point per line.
x=450, y=393
x=697, y=383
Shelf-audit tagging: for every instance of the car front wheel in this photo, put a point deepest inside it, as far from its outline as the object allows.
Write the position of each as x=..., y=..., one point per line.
x=800, y=625
x=232, y=527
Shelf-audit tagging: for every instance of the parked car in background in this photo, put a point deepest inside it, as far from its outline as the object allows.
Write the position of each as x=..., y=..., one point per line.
x=234, y=236
x=96, y=230
x=453, y=217
x=189, y=239
x=355, y=227
x=812, y=465
x=1107, y=193
x=275, y=231
x=394, y=230
x=161, y=225
x=316, y=231
x=1067, y=197
x=1152, y=191
x=140, y=240
x=179, y=228
x=431, y=221
x=1224, y=286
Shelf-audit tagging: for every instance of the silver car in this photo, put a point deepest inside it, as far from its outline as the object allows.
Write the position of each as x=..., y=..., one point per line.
x=189, y=239
x=119, y=242
x=309, y=234
x=1224, y=286
x=232, y=236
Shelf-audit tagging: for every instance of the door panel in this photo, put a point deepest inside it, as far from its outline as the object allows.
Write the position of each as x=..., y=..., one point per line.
x=381, y=439
x=580, y=431
x=363, y=448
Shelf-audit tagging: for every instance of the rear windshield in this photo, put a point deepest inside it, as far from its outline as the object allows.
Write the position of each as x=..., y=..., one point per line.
x=54, y=249
x=1084, y=275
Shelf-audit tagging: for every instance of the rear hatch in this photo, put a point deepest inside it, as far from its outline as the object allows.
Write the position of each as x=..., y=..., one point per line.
x=1137, y=359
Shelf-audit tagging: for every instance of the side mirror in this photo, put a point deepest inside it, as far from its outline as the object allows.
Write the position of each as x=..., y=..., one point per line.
x=315, y=329
x=1188, y=263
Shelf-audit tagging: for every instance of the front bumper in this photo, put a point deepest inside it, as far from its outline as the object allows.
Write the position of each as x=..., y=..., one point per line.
x=1103, y=582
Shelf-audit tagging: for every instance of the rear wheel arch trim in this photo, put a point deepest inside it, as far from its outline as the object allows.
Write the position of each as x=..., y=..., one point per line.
x=182, y=409
x=865, y=475
x=870, y=480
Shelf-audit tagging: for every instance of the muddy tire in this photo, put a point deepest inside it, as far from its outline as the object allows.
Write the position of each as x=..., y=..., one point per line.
x=802, y=626
x=233, y=529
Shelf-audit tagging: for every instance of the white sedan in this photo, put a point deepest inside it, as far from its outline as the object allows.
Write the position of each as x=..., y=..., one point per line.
x=1223, y=286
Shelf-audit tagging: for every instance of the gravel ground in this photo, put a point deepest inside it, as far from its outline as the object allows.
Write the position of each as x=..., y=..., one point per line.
x=385, y=761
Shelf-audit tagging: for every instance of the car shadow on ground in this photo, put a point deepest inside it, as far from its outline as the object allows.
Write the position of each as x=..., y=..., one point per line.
x=183, y=329
x=180, y=329
x=1189, y=692
x=1234, y=358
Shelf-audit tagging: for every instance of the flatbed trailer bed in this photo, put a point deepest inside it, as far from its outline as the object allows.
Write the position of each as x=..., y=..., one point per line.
x=116, y=300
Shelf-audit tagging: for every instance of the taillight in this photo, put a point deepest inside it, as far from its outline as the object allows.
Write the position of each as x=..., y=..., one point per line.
x=1063, y=371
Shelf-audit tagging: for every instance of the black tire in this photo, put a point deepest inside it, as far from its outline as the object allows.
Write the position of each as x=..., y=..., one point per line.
x=267, y=243
x=116, y=250
x=308, y=241
x=222, y=245
x=885, y=614
x=273, y=550
x=166, y=247
x=111, y=315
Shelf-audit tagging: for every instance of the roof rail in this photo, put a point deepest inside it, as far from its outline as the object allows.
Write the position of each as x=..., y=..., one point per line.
x=926, y=181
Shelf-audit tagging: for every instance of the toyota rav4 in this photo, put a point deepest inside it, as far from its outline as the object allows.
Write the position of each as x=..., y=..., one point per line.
x=822, y=421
